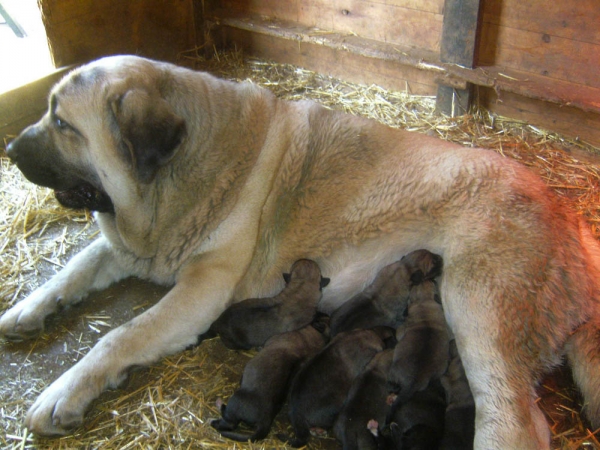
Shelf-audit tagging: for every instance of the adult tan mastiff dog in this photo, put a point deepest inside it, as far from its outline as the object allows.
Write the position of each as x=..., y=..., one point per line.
x=217, y=188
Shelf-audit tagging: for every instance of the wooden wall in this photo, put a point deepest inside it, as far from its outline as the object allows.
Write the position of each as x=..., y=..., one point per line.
x=82, y=30
x=558, y=39
x=536, y=60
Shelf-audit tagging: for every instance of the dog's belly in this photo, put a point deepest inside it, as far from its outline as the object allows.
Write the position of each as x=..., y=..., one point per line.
x=352, y=269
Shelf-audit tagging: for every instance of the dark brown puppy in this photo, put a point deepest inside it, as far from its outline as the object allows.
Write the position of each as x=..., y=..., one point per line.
x=265, y=382
x=366, y=401
x=422, y=352
x=417, y=424
x=251, y=322
x=459, y=429
x=384, y=301
x=321, y=386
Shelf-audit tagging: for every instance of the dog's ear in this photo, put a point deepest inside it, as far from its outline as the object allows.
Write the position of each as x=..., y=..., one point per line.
x=150, y=130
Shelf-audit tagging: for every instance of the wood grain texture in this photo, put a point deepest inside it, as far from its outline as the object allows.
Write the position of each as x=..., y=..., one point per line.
x=571, y=122
x=400, y=22
x=81, y=30
x=329, y=61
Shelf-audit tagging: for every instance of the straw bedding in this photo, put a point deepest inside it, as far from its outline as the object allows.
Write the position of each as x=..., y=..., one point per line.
x=169, y=404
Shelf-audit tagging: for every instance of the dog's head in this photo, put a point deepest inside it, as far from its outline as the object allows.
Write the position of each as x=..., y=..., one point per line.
x=107, y=132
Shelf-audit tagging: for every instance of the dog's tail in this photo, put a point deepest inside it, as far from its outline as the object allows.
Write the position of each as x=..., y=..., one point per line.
x=583, y=345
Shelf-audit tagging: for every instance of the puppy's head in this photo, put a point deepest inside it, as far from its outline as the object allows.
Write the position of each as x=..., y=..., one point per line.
x=108, y=129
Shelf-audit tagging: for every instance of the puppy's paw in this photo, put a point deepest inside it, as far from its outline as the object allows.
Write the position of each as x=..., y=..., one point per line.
x=61, y=407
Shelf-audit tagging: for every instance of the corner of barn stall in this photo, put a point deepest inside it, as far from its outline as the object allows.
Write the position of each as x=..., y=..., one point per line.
x=537, y=62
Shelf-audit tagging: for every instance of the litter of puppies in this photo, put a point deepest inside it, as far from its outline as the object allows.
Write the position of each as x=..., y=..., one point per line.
x=390, y=376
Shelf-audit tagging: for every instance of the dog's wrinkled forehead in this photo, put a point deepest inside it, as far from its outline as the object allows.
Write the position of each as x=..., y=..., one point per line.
x=99, y=76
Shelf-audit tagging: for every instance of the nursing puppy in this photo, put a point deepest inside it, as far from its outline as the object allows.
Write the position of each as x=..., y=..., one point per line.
x=384, y=301
x=366, y=401
x=321, y=386
x=422, y=352
x=251, y=322
x=417, y=424
x=215, y=188
x=459, y=428
x=265, y=382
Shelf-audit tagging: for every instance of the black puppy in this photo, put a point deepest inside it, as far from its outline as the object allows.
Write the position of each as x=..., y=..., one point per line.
x=367, y=400
x=384, y=301
x=417, y=424
x=251, y=322
x=266, y=379
x=422, y=352
x=459, y=430
x=321, y=386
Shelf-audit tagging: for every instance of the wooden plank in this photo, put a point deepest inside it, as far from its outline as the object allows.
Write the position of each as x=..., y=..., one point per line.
x=567, y=120
x=368, y=19
x=345, y=65
x=541, y=54
x=26, y=104
x=530, y=85
x=91, y=29
x=459, y=37
x=460, y=32
x=577, y=20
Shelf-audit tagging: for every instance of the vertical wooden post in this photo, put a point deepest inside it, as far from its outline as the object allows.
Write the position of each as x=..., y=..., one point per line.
x=460, y=33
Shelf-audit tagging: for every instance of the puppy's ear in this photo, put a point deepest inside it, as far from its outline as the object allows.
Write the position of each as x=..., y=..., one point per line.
x=287, y=278
x=150, y=130
x=417, y=277
x=324, y=282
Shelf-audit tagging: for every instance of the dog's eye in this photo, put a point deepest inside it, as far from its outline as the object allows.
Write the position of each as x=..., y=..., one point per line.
x=62, y=124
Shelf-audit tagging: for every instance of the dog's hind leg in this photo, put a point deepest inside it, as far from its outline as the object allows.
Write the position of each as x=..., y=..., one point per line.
x=501, y=373
x=583, y=345
x=583, y=353
x=506, y=412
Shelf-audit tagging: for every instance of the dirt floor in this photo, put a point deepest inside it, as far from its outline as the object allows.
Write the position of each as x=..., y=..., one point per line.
x=169, y=404
x=129, y=417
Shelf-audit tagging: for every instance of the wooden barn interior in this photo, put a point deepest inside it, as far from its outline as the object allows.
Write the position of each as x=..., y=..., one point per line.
x=535, y=62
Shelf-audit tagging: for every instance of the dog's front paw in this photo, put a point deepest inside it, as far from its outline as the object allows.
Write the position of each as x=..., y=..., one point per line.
x=25, y=320
x=59, y=409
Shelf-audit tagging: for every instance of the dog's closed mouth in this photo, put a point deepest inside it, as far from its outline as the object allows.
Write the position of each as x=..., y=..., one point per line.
x=85, y=196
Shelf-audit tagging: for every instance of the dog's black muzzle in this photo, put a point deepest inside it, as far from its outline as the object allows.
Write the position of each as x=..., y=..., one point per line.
x=34, y=154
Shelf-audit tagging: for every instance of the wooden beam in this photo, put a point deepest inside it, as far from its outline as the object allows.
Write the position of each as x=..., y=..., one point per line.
x=501, y=79
x=460, y=33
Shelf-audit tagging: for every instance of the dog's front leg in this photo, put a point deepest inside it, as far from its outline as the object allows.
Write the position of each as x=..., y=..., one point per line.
x=200, y=295
x=93, y=268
